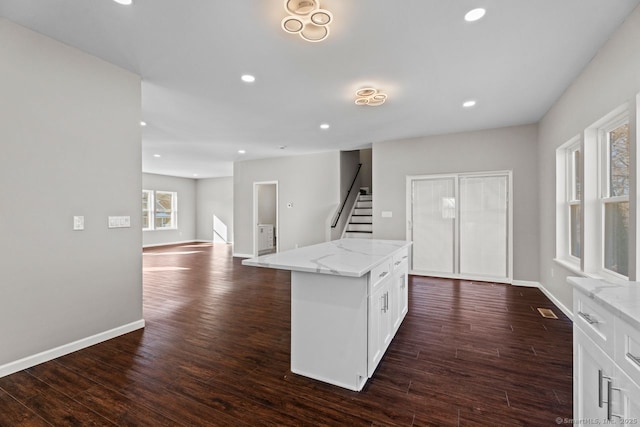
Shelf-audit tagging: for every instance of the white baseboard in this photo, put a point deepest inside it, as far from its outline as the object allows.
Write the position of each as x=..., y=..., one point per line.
x=169, y=243
x=554, y=300
x=242, y=255
x=526, y=283
x=45, y=356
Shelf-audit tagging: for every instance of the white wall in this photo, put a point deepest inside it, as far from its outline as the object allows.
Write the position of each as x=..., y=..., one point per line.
x=611, y=79
x=512, y=148
x=69, y=145
x=186, y=189
x=309, y=182
x=214, y=196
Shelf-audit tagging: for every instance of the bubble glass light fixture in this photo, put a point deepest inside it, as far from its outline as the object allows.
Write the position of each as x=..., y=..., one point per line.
x=306, y=19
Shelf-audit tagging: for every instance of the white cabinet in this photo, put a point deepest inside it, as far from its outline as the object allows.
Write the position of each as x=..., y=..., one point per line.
x=266, y=241
x=604, y=367
x=593, y=371
x=342, y=326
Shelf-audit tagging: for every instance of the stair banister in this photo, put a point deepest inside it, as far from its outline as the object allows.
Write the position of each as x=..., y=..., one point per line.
x=335, y=221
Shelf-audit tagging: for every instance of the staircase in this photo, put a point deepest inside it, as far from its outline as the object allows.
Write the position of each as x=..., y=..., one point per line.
x=360, y=223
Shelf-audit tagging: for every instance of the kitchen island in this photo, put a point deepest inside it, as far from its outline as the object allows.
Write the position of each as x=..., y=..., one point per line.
x=348, y=299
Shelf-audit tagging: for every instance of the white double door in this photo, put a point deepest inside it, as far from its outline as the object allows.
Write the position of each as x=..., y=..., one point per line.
x=460, y=225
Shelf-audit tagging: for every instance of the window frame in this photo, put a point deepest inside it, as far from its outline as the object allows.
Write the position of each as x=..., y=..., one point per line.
x=571, y=198
x=153, y=212
x=604, y=174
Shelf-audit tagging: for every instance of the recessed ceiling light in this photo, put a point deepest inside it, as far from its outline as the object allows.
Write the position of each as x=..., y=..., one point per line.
x=248, y=78
x=124, y=2
x=241, y=151
x=142, y=123
x=195, y=174
x=324, y=126
x=157, y=155
x=475, y=14
x=468, y=104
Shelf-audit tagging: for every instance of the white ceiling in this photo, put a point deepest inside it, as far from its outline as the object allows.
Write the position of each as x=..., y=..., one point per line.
x=515, y=62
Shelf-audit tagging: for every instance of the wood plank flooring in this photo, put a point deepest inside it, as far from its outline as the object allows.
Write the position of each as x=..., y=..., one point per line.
x=215, y=351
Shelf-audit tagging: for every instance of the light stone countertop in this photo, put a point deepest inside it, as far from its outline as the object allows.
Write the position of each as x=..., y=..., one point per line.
x=621, y=299
x=345, y=257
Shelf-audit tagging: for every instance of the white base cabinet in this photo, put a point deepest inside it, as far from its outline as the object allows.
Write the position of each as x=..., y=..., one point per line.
x=604, y=391
x=341, y=326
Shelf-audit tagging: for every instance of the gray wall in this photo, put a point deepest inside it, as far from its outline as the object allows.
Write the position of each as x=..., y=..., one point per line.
x=611, y=79
x=512, y=148
x=69, y=145
x=366, y=172
x=349, y=161
x=310, y=183
x=214, y=196
x=186, y=189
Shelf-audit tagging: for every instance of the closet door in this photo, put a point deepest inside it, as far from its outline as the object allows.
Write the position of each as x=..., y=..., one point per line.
x=433, y=212
x=484, y=226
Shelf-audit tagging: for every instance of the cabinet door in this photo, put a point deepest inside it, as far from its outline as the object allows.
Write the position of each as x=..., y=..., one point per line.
x=627, y=409
x=375, y=333
x=592, y=372
x=400, y=296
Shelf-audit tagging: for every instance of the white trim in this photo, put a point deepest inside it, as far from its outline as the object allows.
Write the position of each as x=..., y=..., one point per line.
x=469, y=278
x=556, y=302
x=526, y=284
x=237, y=255
x=47, y=355
x=182, y=242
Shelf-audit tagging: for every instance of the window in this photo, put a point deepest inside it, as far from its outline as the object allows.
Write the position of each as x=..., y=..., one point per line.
x=574, y=197
x=592, y=193
x=147, y=209
x=159, y=210
x=614, y=145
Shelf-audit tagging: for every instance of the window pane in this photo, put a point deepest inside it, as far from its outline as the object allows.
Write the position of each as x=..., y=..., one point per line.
x=619, y=161
x=577, y=181
x=164, y=214
x=576, y=228
x=146, y=200
x=616, y=237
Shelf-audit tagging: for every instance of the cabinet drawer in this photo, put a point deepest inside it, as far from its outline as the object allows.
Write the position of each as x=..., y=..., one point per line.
x=627, y=354
x=595, y=320
x=400, y=257
x=378, y=274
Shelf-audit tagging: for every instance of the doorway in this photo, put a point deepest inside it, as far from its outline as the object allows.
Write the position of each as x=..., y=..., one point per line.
x=461, y=225
x=265, y=218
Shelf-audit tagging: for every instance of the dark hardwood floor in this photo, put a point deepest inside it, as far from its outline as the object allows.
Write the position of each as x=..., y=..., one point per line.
x=215, y=351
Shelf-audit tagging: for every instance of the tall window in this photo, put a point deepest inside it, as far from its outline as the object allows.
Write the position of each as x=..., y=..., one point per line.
x=614, y=144
x=574, y=197
x=159, y=210
x=147, y=209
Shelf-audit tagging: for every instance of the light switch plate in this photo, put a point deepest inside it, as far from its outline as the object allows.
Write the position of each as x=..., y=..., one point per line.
x=387, y=214
x=78, y=222
x=119, y=222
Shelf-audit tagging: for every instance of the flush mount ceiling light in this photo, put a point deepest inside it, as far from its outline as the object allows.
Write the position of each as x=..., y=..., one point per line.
x=124, y=2
x=474, y=15
x=306, y=19
x=468, y=104
x=143, y=123
x=370, y=96
x=248, y=78
x=324, y=126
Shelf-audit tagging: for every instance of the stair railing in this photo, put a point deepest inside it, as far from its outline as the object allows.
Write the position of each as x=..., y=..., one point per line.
x=337, y=218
